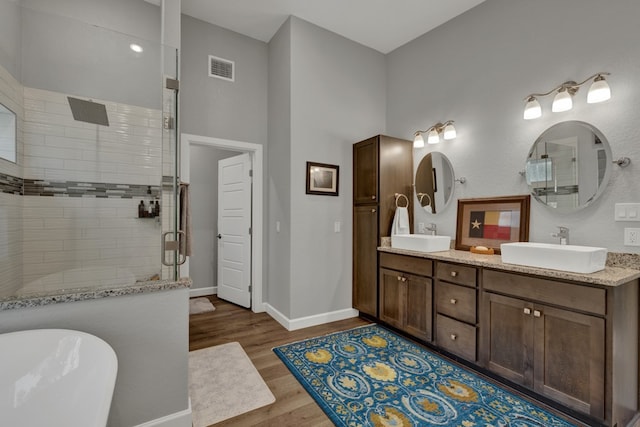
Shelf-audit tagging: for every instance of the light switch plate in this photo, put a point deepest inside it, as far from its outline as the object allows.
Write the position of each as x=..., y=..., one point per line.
x=627, y=212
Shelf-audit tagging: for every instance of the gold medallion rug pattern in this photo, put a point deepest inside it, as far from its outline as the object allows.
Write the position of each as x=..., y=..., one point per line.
x=223, y=383
x=369, y=376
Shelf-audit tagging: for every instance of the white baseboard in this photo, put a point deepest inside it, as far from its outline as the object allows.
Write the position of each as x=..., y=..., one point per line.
x=305, y=322
x=200, y=292
x=177, y=419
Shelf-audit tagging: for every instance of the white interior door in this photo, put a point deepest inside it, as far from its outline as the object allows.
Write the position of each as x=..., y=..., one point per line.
x=234, y=230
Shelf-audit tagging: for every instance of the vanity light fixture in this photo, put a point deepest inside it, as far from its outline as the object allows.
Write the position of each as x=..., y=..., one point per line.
x=433, y=134
x=563, y=100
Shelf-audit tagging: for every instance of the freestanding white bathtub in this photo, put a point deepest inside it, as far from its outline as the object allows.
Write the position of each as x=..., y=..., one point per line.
x=55, y=378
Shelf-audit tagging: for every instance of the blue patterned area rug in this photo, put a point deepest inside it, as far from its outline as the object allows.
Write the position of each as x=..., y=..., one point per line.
x=369, y=376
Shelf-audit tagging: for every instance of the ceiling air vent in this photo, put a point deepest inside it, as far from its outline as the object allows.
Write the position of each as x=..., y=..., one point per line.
x=221, y=68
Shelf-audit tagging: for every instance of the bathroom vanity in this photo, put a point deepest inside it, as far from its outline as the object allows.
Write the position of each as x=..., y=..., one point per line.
x=568, y=337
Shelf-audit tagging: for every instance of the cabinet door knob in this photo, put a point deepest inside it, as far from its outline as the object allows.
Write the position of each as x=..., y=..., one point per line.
x=537, y=313
x=373, y=197
x=453, y=301
x=399, y=278
x=454, y=337
x=404, y=279
x=454, y=274
x=373, y=211
x=527, y=310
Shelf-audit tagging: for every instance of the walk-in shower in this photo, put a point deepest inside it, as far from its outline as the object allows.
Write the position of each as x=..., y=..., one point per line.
x=90, y=146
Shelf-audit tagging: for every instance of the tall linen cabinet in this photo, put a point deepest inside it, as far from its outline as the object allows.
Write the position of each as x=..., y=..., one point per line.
x=382, y=168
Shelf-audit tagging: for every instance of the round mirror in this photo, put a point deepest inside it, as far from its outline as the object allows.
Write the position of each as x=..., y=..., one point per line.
x=434, y=182
x=568, y=166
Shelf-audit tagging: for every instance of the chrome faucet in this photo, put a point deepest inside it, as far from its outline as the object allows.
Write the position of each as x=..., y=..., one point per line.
x=431, y=227
x=563, y=234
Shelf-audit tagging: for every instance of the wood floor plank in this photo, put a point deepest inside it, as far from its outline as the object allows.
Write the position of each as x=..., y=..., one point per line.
x=258, y=333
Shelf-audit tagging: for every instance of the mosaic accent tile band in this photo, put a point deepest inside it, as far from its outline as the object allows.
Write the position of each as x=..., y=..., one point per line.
x=10, y=184
x=37, y=187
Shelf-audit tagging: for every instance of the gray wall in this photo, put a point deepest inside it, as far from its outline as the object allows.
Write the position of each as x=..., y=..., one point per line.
x=152, y=377
x=278, y=292
x=215, y=107
x=10, y=42
x=203, y=264
x=337, y=99
x=477, y=68
x=66, y=55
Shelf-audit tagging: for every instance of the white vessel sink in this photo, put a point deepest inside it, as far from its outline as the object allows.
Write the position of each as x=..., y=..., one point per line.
x=421, y=242
x=55, y=377
x=572, y=258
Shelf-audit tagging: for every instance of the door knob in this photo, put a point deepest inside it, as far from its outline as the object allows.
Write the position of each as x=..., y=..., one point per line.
x=219, y=236
x=373, y=197
x=373, y=211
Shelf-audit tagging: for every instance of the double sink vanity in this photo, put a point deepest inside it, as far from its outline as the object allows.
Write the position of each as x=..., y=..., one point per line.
x=557, y=322
x=569, y=337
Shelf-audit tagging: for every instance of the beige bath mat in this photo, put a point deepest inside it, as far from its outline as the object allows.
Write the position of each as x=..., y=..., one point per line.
x=223, y=383
x=200, y=305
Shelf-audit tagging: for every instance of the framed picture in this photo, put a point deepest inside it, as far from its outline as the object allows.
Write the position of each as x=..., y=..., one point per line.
x=492, y=221
x=322, y=179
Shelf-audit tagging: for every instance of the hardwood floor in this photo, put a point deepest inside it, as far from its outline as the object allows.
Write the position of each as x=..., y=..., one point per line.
x=258, y=334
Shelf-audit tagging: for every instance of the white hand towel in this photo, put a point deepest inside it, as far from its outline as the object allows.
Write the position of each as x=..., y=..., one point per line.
x=400, y=221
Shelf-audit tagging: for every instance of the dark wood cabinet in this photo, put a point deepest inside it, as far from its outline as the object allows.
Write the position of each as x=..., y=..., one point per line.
x=456, y=309
x=406, y=294
x=382, y=167
x=560, y=338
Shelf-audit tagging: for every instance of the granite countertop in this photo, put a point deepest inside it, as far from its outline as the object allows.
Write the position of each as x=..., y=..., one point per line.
x=83, y=294
x=615, y=273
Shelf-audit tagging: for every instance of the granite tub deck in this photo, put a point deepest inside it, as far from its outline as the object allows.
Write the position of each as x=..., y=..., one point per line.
x=617, y=271
x=90, y=293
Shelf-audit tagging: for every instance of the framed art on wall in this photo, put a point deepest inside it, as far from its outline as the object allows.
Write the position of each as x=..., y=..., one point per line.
x=491, y=221
x=322, y=179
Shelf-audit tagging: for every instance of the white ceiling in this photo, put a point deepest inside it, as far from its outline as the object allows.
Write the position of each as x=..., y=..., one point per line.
x=382, y=25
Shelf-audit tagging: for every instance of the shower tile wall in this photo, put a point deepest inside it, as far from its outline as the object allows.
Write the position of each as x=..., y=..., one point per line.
x=11, y=204
x=88, y=240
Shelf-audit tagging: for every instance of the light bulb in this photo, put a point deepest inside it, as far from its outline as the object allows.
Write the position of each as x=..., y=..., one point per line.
x=418, y=141
x=433, y=137
x=532, y=109
x=562, y=102
x=449, y=132
x=599, y=91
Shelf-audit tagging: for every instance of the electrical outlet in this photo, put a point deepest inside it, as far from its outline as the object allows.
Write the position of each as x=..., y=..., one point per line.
x=632, y=236
x=421, y=227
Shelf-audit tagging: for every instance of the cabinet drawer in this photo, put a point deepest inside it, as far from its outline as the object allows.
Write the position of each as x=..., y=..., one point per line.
x=456, y=301
x=572, y=296
x=456, y=273
x=456, y=337
x=414, y=265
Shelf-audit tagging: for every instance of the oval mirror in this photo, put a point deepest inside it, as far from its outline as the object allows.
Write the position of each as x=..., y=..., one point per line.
x=568, y=166
x=7, y=134
x=434, y=182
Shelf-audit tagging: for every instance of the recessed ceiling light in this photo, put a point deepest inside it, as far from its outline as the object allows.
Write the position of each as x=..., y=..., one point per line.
x=136, y=47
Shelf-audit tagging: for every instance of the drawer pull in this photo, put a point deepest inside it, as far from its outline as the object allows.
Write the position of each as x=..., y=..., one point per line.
x=537, y=313
x=453, y=301
x=454, y=337
x=399, y=278
x=373, y=197
x=404, y=279
x=373, y=211
x=527, y=310
x=454, y=274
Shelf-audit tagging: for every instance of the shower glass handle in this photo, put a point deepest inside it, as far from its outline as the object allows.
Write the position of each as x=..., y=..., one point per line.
x=172, y=246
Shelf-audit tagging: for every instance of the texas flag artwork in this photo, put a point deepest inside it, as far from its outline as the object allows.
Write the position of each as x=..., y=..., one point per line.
x=492, y=224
